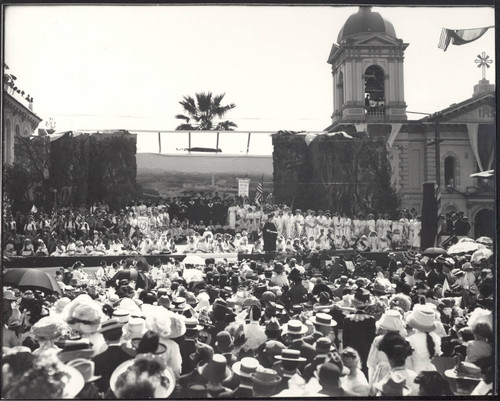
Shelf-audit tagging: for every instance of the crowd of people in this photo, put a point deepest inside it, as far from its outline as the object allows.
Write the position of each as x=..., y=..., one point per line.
x=288, y=328
x=207, y=223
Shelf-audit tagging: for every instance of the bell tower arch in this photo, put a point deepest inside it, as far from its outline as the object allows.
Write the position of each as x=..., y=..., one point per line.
x=367, y=68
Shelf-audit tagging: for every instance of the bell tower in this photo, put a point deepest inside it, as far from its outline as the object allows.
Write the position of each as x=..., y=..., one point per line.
x=367, y=69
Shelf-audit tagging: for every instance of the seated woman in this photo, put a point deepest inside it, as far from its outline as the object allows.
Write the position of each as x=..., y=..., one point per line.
x=10, y=249
x=28, y=249
x=41, y=249
x=89, y=247
x=60, y=250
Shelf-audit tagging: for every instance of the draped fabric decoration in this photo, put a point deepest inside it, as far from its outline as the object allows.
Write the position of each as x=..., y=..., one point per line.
x=486, y=146
x=361, y=127
x=340, y=134
x=334, y=173
x=459, y=37
x=395, y=128
x=472, y=129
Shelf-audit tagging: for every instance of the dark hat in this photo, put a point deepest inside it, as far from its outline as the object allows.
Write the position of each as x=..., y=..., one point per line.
x=216, y=370
x=278, y=268
x=273, y=325
x=324, y=345
x=149, y=343
x=224, y=341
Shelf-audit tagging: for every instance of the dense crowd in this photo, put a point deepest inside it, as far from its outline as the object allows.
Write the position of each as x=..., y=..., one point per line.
x=207, y=223
x=418, y=326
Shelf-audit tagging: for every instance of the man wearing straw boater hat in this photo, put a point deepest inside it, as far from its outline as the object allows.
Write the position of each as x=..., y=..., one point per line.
x=294, y=332
x=288, y=366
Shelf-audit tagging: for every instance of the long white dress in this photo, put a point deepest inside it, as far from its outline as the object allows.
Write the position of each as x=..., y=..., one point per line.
x=420, y=359
x=417, y=227
x=231, y=217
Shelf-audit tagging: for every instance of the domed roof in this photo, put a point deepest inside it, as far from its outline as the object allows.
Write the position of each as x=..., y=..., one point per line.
x=366, y=21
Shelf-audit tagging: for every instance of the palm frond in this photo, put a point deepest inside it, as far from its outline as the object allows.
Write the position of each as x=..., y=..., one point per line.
x=186, y=127
x=182, y=117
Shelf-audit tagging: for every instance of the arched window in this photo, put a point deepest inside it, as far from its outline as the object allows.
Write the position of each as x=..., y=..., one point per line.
x=340, y=91
x=449, y=171
x=374, y=91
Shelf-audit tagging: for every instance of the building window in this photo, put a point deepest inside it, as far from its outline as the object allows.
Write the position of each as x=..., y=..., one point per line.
x=340, y=91
x=449, y=172
x=374, y=91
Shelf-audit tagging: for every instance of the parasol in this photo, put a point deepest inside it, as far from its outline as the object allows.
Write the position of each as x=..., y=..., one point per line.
x=485, y=241
x=464, y=247
x=480, y=254
x=434, y=251
x=30, y=278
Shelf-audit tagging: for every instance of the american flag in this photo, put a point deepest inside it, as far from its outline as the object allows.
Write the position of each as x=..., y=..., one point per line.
x=258, y=193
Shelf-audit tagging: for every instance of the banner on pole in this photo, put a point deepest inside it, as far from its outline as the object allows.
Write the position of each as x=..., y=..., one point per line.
x=143, y=223
x=243, y=186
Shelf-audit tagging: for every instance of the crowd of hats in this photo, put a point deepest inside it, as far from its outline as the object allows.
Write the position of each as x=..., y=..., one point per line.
x=227, y=329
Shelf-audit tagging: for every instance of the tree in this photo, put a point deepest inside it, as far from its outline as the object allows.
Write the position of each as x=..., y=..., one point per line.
x=201, y=113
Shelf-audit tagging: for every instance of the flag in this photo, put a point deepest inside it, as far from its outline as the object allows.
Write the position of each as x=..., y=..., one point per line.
x=459, y=37
x=258, y=193
x=446, y=286
x=34, y=209
x=269, y=198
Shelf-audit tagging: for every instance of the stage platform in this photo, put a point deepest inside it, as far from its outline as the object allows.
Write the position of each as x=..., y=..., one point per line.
x=91, y=261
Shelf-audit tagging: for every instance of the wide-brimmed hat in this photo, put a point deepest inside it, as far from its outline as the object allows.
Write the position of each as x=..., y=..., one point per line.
x=134, y=328
x=49, y=328
x=122, y=315
x=246, y=366
x=465, y=370
x=273, y=325
x=216, y=370
x=288, y=354
x=391, y=320
x=266, y=377
x=150, y=341
x=323, y=319
x=395, y=385
x=86, y=369
x=294, y=326
x=422, y=319
x=10, y=295
x=362, y=298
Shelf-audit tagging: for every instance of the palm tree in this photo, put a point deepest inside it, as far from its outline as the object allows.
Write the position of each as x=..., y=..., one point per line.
x=203, y=111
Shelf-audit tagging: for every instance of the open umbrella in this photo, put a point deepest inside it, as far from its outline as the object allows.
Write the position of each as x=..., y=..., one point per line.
x=464, y=247
x=131, y=274
x=30, y=278
x=485, y=241
x=483, y=253
x=434, y=251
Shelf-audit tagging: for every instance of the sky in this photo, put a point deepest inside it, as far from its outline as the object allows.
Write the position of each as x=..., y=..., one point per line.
x=91, y=67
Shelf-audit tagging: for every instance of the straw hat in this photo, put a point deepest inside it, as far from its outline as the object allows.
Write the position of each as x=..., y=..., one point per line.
x=246, y=367
x=294, y=326
x=465, y=370
x=290, y=355
x=179, y=304
x=10, y=295
x=323, y=319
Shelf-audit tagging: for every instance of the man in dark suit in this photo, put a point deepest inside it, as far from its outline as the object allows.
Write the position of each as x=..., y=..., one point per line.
x=107, y=361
